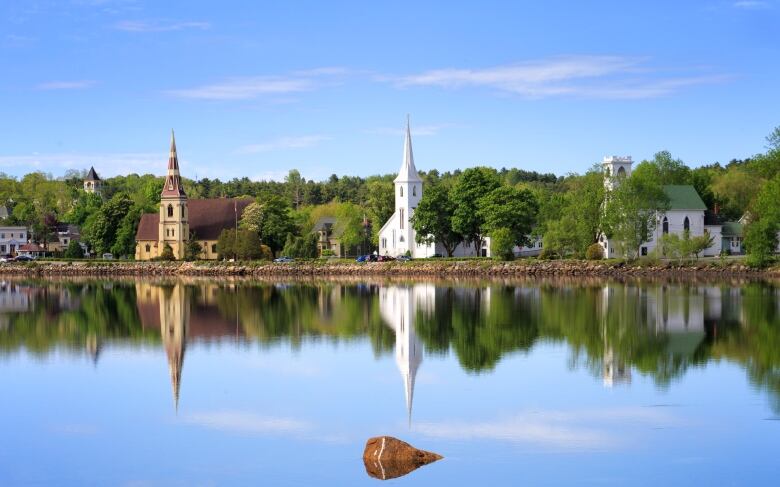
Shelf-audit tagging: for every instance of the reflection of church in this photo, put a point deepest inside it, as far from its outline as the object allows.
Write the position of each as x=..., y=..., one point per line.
x=398, y=306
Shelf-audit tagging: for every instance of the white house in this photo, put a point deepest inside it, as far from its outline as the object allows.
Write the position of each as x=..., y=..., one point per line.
x=397, y=237
x=11, y=238
x=686, y=212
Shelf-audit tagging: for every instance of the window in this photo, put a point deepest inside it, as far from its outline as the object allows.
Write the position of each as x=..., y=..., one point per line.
x=666, y=226
x=213, y=248
x=2, y=248
x=148, y=248
x=644, y=250
x=402, y=191
x=172, y=232
x=686, y=224
x=414, y=190
x=401, y=211
x=401, y=239
x=2, y=235
x=170, y=210
x=621, y=172
x=182, y=212
x=384, y=243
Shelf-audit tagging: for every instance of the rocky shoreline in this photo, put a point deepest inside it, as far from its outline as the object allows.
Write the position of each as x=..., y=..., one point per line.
x=465, y=268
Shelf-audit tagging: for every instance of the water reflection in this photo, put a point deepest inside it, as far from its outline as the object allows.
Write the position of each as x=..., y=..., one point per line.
x=615, y=330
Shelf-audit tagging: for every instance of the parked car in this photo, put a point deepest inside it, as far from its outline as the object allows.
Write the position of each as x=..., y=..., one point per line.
x=6, y=258
x=385, y=258
x=404, y=258
x=23, y=258
x=108, y=256
x=284, y=260
x=362, y=258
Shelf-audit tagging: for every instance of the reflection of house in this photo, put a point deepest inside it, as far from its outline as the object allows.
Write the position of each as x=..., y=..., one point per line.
x=14, y=298
x=398, y=306
x=328, y=236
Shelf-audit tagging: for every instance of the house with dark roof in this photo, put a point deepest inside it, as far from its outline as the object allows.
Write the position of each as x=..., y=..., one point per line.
x=329, y=233
x=181, y=219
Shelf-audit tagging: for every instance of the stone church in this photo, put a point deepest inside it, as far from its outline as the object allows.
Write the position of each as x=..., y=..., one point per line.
x=181, y=219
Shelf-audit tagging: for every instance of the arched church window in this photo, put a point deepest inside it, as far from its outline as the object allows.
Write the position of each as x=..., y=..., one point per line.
x=621, y=171
x=402, y=191
x=686, y=224
x=148, y=247
x=414, y=190
x=401, y=212
x=666, y=226
x=170, y=210
x=182, y=212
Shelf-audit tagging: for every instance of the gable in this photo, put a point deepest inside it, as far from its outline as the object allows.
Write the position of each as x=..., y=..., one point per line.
x=684, y=197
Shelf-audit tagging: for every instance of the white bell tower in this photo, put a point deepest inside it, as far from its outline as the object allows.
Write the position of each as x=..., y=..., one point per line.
x=408, y=191
x=615, y=167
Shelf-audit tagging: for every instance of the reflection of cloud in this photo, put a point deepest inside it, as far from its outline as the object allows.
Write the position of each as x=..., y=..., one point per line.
x=75, y=429
x=243, y=422
x=559, y=429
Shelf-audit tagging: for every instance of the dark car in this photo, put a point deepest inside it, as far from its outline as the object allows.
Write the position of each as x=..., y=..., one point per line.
x=361, y=258
x=385, y=258
x=373, y=258
x=23, y=258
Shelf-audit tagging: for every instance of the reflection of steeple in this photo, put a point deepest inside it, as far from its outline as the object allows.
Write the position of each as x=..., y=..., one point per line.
x=174, y=322
x=399, y=306
x=94, y=347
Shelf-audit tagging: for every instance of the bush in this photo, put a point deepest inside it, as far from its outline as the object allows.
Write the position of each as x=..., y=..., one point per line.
x=192, y=249
x=548, y=254
x=303, y=247
x=74, y=250
x=501, y=244
x=167, y=253
x=327, y=253
x=594, y=252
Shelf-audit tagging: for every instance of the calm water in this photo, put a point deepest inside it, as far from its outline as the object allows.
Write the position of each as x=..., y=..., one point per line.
x=208, y=382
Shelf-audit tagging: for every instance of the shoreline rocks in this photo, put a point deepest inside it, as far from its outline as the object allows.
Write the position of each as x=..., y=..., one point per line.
x=423, y=268
x=386, y=457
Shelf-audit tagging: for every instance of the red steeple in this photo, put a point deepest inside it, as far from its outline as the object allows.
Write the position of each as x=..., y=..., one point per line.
x=173, y=186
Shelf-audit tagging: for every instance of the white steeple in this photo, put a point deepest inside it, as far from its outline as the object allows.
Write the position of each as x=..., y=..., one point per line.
x=408, y=173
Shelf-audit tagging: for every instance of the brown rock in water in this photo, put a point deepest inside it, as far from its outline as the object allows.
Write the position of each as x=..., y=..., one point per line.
x=386, y=457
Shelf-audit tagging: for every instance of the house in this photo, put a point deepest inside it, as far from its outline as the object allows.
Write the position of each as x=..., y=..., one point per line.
x=397, y=237
x=329, y=236
x=181, y=219
x=731, y=238
x=686, y=212
x=11, y=238
x=31, y=250
x=93, y=183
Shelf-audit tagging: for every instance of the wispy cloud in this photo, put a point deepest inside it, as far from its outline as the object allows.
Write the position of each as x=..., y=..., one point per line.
x=752, y=4
x=66, y=85
x=419, y=130
x=159, y=25
x=105, y=164
x=283, y=143
x=590, y=429
x=250, y=87
x=583, y=76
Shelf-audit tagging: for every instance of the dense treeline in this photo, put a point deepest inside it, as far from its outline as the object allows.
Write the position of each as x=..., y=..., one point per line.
x=568, y=211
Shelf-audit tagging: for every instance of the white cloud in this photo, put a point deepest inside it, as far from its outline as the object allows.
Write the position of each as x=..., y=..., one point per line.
x=583, y=76
x=283, y=143
x=752, y=4
x=250, y=423
x=105, y=164
x=66, y=85
x=159, y=25
x=589, y=429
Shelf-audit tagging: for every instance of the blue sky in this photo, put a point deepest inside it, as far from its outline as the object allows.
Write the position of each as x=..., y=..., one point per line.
x=257, y=88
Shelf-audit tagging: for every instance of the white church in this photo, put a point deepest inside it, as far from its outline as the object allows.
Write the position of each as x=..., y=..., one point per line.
x=397, y=237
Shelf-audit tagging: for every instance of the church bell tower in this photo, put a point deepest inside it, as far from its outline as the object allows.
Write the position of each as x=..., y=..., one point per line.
x=174, y=215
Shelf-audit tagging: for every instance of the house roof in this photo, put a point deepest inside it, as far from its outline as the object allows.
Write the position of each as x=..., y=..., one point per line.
x=92, y=175
x=329, y=221
x=31, y=247
x=207, y=218
x=684, y=197
x=732, y=229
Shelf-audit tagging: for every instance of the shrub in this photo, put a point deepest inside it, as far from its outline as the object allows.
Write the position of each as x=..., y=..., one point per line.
x=192, y=249
x=501, y=244
x=327, y=253
x=594, y=252
x=548, y=254
x=167, y=253
x=74, y=250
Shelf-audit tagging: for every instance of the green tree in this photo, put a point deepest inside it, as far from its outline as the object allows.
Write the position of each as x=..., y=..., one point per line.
x=167, y=253
x=664, y=169
x=432, y=220
x=192, y=249
x=380, y=204
x=631, y=212
x=74, y=250
x=511, y=209
x=502, y=243
x=100, y=229
x=472, y=185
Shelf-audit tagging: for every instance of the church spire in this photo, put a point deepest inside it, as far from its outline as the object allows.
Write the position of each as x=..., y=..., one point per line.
x=408, y=173
x=173, y=186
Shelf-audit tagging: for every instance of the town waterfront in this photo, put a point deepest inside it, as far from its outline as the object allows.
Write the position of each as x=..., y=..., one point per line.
x=204, y=381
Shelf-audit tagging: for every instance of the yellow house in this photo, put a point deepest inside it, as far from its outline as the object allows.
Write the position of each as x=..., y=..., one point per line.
x=180, y=219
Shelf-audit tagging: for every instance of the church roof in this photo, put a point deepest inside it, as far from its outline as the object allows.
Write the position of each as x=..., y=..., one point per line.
x=173, y=186
x=92, y=175
x=684, y=197
x=408, y=173
x=207, y=218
